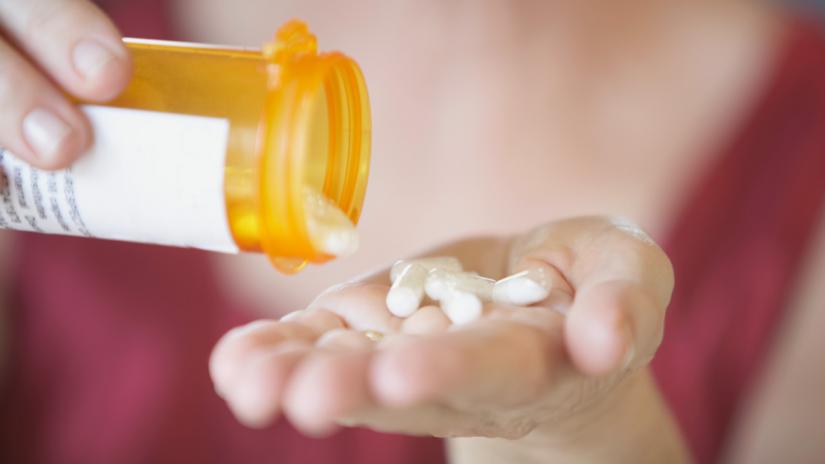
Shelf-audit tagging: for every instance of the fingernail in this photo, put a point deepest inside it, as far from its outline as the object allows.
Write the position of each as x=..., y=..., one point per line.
x=45, y=132
x=91, y=58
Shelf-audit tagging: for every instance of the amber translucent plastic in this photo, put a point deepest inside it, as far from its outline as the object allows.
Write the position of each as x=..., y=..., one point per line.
x=297, y=119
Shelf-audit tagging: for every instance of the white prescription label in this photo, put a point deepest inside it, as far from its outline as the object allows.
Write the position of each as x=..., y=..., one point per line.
x=150, y=177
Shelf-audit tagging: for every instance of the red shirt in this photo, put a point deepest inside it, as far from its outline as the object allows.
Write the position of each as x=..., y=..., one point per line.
x=738, y=244
x=110, y=341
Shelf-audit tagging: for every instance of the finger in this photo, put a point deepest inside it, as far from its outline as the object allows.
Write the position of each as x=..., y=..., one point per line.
x=73, y=41
x=363, y=306
x=541, y=317
x=240, y=345
x=427, y=320
x=37, y=123
x=613, y=325
x=327, y=385
x=487, y=362
x=255, y=398
x=344, y=339
x=622, y=283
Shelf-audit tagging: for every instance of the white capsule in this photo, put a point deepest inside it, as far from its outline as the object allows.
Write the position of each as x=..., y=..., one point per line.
x=406, y=292
x=437, y=286
x=522, y=289
x=448, y=263
x=330, y=230
x=441, y=281
x=461, y=307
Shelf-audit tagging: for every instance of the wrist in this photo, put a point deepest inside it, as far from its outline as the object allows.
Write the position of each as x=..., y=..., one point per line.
x=629, y=424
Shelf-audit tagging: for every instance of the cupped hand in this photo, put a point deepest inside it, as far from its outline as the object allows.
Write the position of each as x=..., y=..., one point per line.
x=51, y=48
x=347, y=360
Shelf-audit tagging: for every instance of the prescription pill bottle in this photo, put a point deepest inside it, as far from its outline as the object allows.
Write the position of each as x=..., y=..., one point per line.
x=216, y=148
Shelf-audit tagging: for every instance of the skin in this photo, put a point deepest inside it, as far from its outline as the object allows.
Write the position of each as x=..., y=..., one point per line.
x=784, y=415
x=575, y=388
x=516, y=373
x=51, y=47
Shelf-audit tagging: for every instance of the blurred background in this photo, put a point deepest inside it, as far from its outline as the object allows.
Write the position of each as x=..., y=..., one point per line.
x=817, y=6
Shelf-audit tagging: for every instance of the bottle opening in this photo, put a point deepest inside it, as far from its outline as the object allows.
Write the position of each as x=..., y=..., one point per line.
x=315, y=157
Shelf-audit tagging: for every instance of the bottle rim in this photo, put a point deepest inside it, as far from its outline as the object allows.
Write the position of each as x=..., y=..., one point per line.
x=300, y=79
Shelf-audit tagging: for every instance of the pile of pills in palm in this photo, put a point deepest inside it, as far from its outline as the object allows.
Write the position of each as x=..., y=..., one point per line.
x=460, y=294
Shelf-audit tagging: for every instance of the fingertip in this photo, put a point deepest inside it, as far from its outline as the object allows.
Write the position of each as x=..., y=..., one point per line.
x=104, y=67
x=411, y=372
x=234, y=350
x=388, y=385
x=221, y=365
x=256, y=397
x=323, y=388
x=598, y=341
x=54, y=137
x=319, y=431
x=247, y=406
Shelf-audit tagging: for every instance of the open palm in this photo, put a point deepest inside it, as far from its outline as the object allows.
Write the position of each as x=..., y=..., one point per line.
x=347, y=360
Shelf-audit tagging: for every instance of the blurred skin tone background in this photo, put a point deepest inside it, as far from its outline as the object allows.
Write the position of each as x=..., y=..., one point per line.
x=482, y=100
x=505, y=115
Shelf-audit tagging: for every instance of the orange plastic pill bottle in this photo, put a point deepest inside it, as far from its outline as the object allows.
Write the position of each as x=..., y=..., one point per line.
x=215, y=148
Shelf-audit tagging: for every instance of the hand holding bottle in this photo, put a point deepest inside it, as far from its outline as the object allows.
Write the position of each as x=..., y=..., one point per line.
x=54, y=50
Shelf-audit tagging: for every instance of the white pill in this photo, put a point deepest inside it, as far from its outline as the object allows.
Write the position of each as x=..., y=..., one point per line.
x=406, y=292
x=448, y=263
x=436, y=286
x=461, y=307
x=522, y=289
x=440, y=282
x=330, y=230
